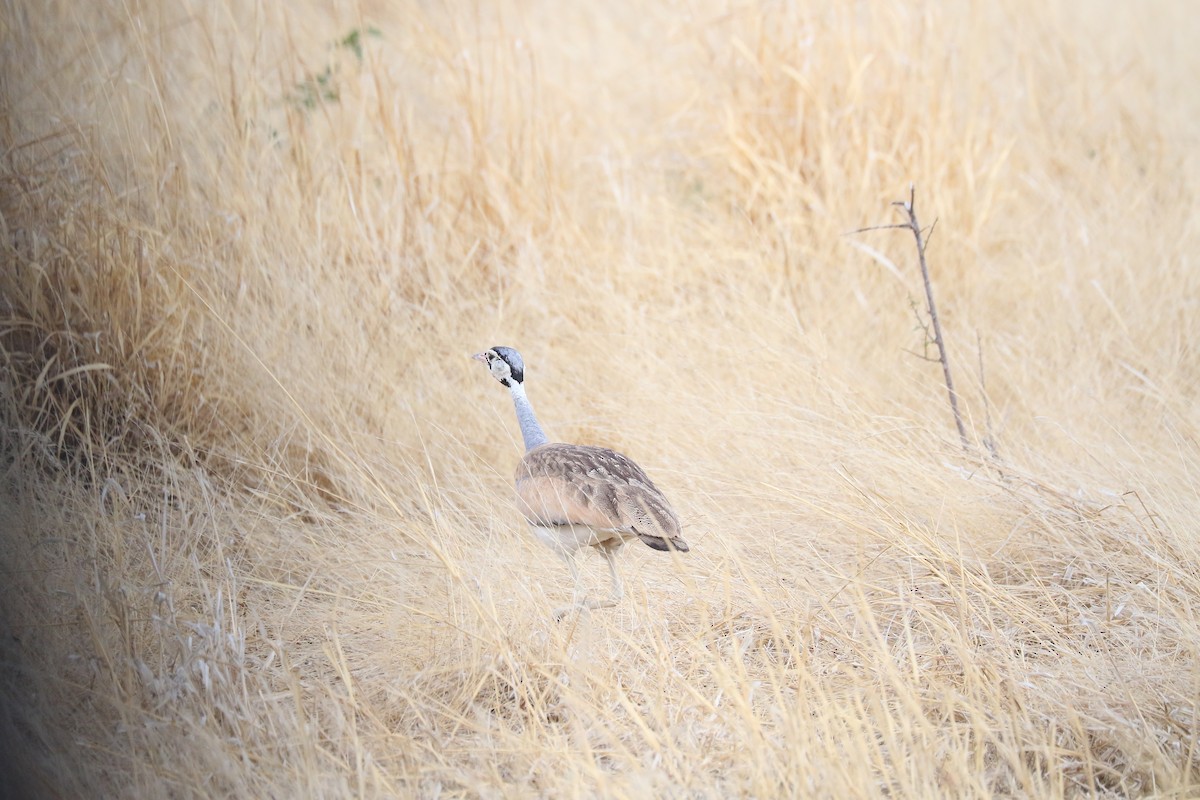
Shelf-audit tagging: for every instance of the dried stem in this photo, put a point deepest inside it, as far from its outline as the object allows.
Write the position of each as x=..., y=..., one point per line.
x=910, y=211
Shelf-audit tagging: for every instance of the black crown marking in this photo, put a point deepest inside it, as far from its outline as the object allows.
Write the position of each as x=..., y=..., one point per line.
x=513, y=359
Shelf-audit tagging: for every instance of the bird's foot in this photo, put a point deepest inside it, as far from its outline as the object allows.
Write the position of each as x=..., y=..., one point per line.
x=582, y=605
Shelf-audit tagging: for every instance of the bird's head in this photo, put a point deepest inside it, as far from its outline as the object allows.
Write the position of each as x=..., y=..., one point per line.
x=504, y=363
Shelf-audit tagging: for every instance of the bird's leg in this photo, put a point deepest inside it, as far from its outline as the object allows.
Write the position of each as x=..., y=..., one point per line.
x=610, y=555
x=559, y=613
x=579, y=601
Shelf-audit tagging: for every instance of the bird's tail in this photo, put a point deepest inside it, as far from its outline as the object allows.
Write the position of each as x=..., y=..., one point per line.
x=659, y=543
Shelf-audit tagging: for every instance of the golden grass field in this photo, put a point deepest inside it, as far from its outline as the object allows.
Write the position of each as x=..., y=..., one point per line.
x=258, y=530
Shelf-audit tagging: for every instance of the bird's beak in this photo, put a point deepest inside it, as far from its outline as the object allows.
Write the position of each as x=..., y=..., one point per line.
x=480, y=357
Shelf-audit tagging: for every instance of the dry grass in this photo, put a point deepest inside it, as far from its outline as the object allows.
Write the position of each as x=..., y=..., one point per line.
x=257, y=529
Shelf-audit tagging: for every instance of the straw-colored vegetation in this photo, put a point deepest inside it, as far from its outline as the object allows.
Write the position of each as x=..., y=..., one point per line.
x=257, y=526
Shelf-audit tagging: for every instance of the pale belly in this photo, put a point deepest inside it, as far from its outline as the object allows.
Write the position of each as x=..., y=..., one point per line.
x=566, y=539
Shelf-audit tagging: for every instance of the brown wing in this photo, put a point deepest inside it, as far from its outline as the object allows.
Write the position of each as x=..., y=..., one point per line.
x=559, y=484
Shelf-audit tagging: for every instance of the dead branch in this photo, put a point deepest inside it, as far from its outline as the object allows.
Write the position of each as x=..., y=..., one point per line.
x=910, y=212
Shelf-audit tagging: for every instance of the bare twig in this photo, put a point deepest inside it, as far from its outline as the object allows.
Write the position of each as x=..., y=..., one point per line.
x=910, y=211
x=905, y=226
x=915, y=354
x=924, y=326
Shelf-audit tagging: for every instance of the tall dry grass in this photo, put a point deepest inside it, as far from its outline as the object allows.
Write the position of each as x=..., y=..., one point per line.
x=258, y=537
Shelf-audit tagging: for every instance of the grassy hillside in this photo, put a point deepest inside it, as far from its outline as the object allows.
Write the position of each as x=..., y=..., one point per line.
x=257, y=528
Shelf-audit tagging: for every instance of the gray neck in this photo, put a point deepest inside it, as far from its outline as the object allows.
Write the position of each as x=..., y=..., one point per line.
x=531, y=431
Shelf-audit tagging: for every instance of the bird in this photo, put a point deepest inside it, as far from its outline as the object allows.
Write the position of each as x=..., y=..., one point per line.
x=576, y=495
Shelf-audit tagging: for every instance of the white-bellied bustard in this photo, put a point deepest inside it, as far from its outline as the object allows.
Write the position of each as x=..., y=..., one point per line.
x=576, y=495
